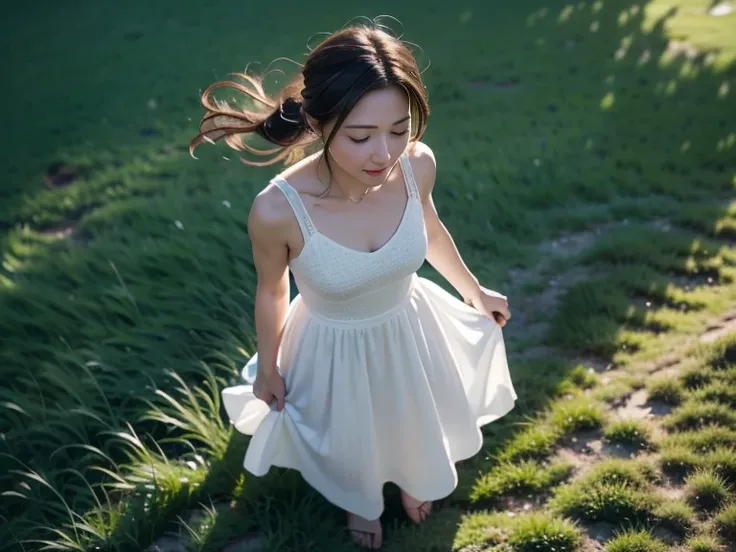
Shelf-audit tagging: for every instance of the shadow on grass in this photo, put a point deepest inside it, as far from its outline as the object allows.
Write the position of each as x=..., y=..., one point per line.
x=91, y=330
x=663, y=137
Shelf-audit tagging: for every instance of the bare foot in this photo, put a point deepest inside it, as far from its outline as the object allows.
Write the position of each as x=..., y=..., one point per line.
x=368, y=533
x=417, y=510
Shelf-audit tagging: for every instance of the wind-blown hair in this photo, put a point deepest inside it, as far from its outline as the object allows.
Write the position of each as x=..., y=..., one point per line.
x=337, y=73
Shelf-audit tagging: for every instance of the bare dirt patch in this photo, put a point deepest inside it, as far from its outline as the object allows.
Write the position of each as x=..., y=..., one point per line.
x=639, y=407
x=59, y=175
x=61, y=231
x=719, y=329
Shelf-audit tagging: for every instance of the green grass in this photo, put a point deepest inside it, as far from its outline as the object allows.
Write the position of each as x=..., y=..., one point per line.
x=544, y=533
x=613, y=391
x=665, y=390
x=613, y=491
x=629, y=432
x=723, y=463
x=703, y=440
x=721, y=392
x=677, y=516
x=693, y=415
x=518, y=479
x=679, y=461
x=723, y=355
x=572, y=415
x=706, y=490
x=531, y=531
x=535, y=442
x=583, y=378
x=725, y=523
x=704, y=543
x=637, y=474
x=635, y=541
x=696, y=377
x=610, y=502
x=127, y=295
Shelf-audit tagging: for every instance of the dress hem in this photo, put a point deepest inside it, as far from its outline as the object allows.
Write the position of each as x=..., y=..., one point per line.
x=340, y=503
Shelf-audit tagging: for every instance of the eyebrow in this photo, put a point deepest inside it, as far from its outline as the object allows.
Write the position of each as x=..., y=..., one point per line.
x=373, y=126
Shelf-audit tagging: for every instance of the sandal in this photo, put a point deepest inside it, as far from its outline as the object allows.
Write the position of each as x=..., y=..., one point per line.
x=423, y=509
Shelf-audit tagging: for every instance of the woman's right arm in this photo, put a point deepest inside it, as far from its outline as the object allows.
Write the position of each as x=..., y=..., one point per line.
x=266, y=229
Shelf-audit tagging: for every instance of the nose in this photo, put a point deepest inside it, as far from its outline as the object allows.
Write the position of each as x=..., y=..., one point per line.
x=381, y=154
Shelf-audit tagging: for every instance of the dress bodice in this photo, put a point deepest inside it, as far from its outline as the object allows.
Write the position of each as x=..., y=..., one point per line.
x=338, y=282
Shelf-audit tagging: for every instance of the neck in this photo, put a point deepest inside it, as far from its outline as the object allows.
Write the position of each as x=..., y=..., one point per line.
x=346, y=186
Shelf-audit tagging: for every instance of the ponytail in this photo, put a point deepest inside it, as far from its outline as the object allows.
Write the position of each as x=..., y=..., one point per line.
x=282, y=123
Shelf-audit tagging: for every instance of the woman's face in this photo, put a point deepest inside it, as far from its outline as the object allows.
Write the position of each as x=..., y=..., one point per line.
x=372, y=137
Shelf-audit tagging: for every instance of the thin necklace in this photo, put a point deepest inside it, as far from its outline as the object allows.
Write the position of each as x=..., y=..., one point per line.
x=327, y=191
x=360, y=198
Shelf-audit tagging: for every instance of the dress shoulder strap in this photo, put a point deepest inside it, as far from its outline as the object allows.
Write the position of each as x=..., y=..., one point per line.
x=297, y=205
x=411, y=184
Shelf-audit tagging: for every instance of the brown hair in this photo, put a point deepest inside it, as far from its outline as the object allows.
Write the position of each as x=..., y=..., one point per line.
x=336, y=74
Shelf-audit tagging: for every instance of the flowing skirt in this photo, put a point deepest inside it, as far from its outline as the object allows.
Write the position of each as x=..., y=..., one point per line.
x=399, y=397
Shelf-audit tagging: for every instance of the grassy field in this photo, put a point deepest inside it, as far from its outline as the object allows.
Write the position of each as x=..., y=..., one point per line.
x=586, y=166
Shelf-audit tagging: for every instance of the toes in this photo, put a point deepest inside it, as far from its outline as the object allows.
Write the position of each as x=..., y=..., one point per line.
x=426, y=509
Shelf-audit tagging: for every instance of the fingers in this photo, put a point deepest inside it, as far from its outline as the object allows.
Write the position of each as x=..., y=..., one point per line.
x=280, y=403
x=265, y=397
x=504, y=310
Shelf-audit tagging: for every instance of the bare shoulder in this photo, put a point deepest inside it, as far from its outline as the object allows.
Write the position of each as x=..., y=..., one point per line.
x=270, y=215
x=424, y=166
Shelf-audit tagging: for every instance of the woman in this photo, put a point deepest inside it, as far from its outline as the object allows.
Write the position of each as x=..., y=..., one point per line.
x=371, y=374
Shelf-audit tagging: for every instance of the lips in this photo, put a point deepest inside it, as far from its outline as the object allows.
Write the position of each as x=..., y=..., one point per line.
x=376, y=172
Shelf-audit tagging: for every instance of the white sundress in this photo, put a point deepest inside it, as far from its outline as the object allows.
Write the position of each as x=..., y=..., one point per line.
x=388, y=377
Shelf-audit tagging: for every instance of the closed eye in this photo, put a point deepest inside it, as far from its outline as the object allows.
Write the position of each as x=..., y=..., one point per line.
x=361, y=140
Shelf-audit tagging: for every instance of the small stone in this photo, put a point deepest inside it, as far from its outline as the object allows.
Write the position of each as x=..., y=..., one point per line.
x=167, y=544
x=466, y=16
x=179, y=224
x=720, y=9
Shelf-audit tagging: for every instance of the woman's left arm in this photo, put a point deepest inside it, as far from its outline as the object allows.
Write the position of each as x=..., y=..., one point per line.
x=442, y=253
